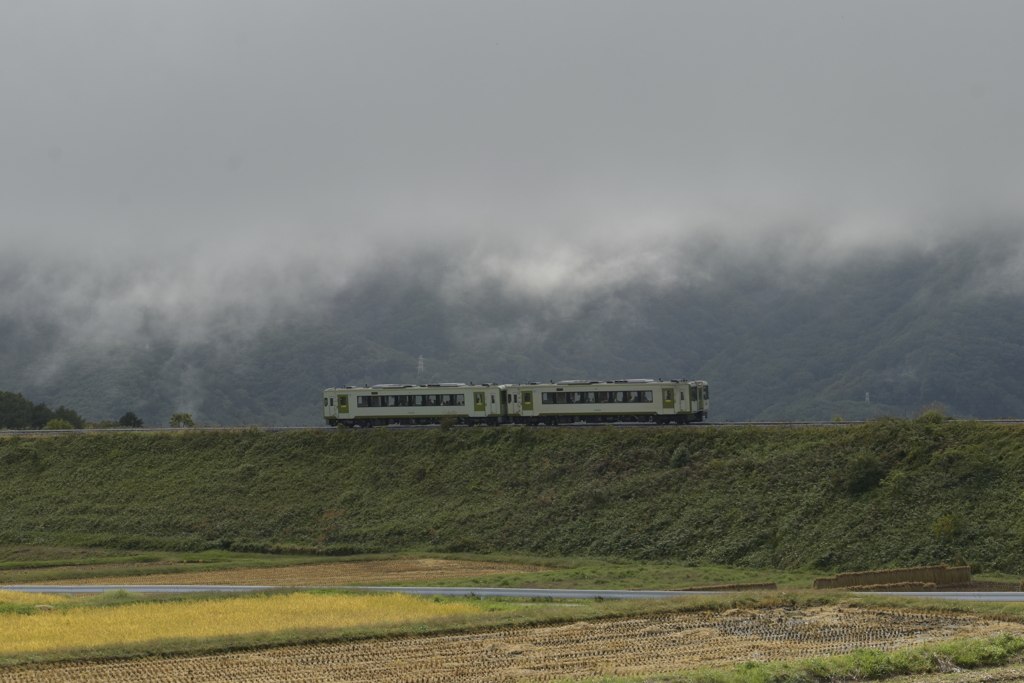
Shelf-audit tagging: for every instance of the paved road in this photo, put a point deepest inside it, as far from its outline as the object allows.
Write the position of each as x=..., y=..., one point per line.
x=970, y=597
x=482, y=592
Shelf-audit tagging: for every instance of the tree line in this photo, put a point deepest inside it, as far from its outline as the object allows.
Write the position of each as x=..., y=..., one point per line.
x=17, y=412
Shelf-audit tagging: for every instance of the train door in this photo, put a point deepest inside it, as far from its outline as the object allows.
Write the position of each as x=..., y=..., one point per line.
x=512, y=404
x=479, y=401
x=527, y=402
x=342, y=404
x=668, y=399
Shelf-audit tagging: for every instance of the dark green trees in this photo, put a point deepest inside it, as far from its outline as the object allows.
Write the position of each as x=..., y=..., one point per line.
x=17, y=412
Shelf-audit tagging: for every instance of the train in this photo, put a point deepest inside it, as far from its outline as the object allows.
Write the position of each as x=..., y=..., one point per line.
x=677, y=401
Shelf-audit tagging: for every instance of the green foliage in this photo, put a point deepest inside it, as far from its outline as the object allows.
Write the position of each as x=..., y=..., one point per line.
x=17, y=412
x=946, y=528
x=181, y=420
x=848, y=498
x=58, y=424
x=130, y=419
x=863, y=472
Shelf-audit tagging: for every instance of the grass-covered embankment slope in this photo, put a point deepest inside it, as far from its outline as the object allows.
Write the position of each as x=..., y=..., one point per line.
x=888, y=492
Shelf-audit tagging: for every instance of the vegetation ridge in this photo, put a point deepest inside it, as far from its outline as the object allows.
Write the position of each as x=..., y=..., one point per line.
x=887, y=493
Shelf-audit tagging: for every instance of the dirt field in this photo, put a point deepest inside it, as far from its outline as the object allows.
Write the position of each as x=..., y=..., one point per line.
x=373, y=572
x=626, y=646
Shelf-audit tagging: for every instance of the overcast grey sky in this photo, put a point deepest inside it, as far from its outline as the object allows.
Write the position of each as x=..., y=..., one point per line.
x=220, y=136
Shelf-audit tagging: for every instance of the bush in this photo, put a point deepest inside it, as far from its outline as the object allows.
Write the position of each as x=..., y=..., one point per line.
x=182, y=420
x=934, y=413
x=932, y=416
x=863, y=472
x=58, y=424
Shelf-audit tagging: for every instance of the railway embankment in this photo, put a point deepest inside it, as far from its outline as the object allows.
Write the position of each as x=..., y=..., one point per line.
x=889, y=492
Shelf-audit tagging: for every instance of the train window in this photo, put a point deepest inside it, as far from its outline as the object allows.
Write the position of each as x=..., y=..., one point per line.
x=693, y=393
x=343, y=400
x=705, y=393
x=325, y=402
x=460, y=399
x=527, y=397
x=647, y=396
x=547, y=397
x=332, y=401
x=492, y=398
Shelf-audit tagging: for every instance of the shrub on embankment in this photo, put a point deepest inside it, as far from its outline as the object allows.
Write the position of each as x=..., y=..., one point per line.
x=891, y=492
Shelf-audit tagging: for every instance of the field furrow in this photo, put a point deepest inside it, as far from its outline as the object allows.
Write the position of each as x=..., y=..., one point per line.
x=625, y=646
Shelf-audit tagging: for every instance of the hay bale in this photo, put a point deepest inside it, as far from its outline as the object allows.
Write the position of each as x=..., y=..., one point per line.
x=733, y=587
x=938, y=574
x=906, y=586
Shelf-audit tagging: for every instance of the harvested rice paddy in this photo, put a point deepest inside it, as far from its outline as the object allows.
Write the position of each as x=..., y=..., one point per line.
x=373, y=572
x=632, y=646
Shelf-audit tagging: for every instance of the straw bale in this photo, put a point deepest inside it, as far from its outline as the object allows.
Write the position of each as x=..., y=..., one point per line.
x=938, y=574
x=733, y=587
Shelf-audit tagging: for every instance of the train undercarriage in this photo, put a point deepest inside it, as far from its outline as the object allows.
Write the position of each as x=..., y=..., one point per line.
x=533, y=421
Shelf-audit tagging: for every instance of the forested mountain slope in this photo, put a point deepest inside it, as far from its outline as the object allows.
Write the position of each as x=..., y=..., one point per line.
x=775, y=342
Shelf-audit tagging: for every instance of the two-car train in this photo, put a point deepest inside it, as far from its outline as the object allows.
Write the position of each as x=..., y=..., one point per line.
x=677, y=401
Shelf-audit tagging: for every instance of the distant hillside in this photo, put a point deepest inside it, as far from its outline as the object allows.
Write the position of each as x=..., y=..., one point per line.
x=883, y=335
x=892, y=492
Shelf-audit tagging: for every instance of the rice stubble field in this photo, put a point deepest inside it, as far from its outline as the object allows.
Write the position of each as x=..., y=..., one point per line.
x=621, y=646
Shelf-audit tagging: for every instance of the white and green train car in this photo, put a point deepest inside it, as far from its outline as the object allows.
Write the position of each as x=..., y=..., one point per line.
x=386, y=404
x=627, y=400
x=634, y=400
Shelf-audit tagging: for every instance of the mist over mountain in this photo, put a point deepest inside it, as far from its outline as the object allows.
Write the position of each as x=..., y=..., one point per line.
x=777, y=339
x=222, y=208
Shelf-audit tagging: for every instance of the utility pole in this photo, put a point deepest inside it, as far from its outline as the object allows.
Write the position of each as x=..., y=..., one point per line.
x=419, y=365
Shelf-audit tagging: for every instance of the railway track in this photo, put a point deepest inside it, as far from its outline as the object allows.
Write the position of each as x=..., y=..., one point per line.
x=573, y=425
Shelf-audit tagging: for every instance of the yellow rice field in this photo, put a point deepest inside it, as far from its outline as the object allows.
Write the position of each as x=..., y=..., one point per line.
x=16, y=598
x=141, y=622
